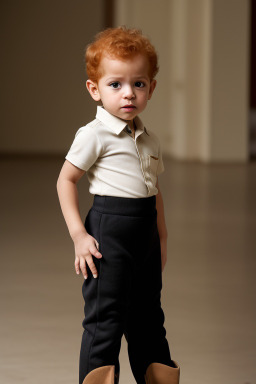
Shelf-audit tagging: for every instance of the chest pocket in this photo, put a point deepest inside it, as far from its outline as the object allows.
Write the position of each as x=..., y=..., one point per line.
x=152, y=164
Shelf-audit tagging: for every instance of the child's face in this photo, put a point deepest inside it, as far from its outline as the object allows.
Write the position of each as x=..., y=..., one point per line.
x=124, y=88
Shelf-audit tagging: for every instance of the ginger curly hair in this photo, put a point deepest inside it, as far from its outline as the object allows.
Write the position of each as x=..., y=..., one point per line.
x=120, y=43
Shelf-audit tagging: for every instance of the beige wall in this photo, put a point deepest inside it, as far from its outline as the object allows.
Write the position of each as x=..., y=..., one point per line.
x=200, y=105
x=229, y=80
x=200, y=109
x=43, y=95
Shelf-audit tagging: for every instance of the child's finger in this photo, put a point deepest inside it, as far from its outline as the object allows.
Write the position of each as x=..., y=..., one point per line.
x=94, y=251
x=77, y=268
x=92, y=267
x=83, y=267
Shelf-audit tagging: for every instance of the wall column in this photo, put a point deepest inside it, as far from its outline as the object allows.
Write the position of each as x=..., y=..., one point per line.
x=200, y=110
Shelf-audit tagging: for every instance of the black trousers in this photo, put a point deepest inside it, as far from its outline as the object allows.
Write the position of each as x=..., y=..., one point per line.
x=125, y=298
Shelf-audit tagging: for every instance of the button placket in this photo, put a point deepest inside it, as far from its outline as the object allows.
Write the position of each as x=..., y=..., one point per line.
x=143, y=160
x=141, y=165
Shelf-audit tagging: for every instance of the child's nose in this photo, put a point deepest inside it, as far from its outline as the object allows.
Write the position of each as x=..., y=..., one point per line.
x=129, y=92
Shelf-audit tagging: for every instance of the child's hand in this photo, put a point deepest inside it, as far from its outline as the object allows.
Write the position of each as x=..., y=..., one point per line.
x=86, y=246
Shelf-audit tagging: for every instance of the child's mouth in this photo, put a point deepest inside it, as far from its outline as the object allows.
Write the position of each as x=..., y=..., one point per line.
x=129, y=108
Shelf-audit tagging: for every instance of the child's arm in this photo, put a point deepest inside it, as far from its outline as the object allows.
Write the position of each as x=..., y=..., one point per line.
x=161, y=226
x=85, y=244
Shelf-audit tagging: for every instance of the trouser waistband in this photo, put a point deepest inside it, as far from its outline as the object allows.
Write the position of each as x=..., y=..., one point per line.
x=145, y=206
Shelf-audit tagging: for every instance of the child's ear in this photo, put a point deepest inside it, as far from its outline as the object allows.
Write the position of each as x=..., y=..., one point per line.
x=93, y=89
x=151, y=88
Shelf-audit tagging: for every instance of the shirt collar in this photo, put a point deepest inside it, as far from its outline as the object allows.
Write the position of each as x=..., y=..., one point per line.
x=116, y=124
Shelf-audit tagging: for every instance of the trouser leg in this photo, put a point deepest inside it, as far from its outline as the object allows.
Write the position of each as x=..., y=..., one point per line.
x=105, y=297
x=126, y=295
x=144, y=331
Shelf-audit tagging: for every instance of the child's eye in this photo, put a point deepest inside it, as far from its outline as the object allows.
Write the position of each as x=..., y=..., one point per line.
x=139, y=84
x=115, y=85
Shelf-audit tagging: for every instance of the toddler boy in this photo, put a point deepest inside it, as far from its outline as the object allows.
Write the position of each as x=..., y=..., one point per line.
x=121, y=248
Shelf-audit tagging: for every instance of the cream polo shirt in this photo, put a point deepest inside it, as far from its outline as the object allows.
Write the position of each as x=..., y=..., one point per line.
x=115, y=163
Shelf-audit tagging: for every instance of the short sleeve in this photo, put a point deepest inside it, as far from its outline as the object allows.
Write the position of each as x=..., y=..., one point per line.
x=160, y=167
x=85, y=149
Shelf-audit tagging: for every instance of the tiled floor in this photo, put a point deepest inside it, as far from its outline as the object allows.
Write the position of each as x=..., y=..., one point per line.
x=209, y=282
